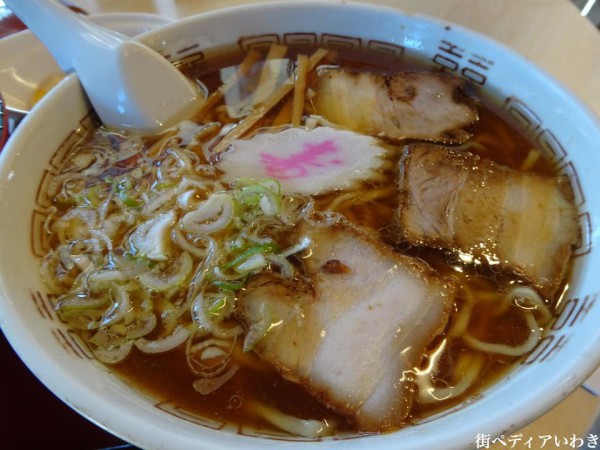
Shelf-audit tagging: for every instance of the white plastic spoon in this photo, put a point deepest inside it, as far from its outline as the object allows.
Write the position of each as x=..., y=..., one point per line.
x=129, y=85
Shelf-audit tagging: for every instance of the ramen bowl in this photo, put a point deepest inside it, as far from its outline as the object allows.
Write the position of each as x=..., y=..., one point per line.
x=563, y=128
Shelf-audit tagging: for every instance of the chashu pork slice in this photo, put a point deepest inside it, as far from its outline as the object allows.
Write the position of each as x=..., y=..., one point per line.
x=407, y=105
x=354, y=331
x=522, y=221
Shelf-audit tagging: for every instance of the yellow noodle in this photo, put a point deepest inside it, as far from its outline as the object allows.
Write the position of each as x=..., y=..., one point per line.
x=528, y=345
x=160, y=145
x=462, y=319
x=469, y=367
x=341, y=199
x=295, y=425
x=532, y=157
x=208, y=132
x=249, y=360
x=358, y=198
x=471, y=146
x=531, y=295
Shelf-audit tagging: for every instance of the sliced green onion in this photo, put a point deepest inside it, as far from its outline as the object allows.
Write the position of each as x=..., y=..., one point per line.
x=141, y=326
x=165, y=185
x=210, y=309
x=258, y=330
x=161, y=280
x=156, y=202
x=220, y=305
x=121, y=190
x=211, y=215
x=113, y=355
x=109, y=337
x=175, y=339
x=199, y=314
x=199, y=252
x=218, y=274
x=187, y=200
x=303, y=244
x=207, y=386
x=152, y=238
x=251, y=264
x=228, y=285
x=105, y=276
x=269, y=183
x=285, y=267
x=272, y=184
x=269, y=247
x=92, y=195
x=257, y=197
x=121, y=305
x=78, y=302
x=218, y=351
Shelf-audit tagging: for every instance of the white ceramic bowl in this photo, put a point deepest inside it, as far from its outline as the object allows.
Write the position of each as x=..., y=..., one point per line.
x=562, y=126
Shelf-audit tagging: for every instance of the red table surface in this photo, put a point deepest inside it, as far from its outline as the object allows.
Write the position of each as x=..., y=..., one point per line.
x=31, y=417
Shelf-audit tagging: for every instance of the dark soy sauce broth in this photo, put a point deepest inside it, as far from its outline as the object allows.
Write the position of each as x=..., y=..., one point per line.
x=167, y=377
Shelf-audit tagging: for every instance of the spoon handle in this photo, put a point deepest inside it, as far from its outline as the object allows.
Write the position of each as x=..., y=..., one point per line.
x=58, y=28
x=129, y=85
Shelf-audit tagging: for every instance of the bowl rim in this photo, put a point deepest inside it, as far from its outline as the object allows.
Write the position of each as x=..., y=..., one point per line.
x=27, y=347
x=3, y=123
